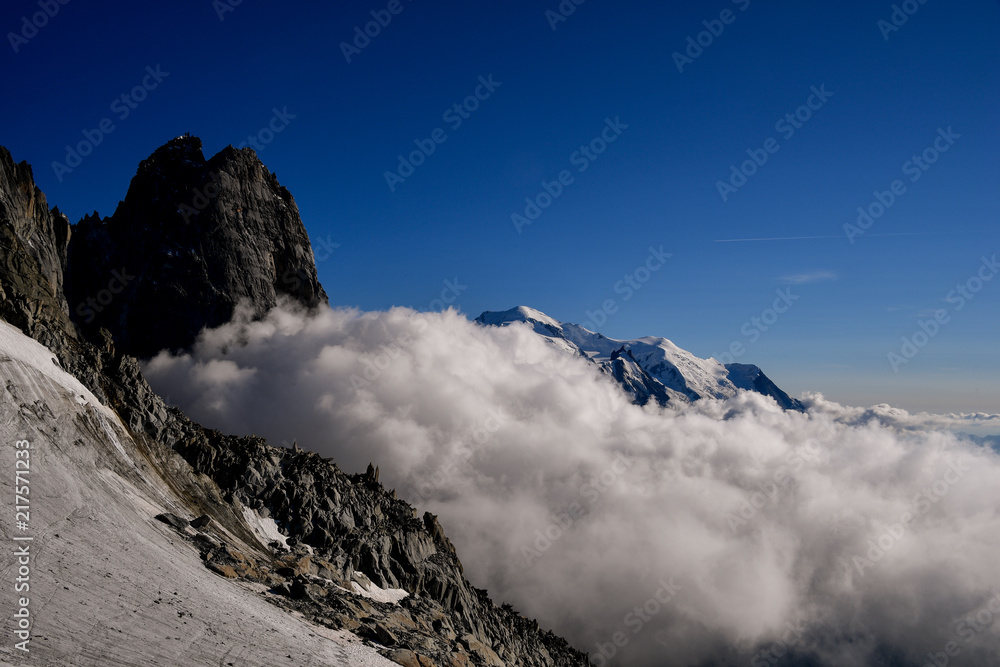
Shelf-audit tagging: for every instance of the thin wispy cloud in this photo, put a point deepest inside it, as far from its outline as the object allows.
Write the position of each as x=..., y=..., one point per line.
x=833, y=236
x=778, y=238
x=813, y=277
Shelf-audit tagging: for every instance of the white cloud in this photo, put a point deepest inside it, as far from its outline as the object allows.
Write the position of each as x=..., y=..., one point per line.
x=527, y=454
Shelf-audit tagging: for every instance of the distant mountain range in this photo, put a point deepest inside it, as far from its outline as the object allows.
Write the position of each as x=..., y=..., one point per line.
x=648, y=369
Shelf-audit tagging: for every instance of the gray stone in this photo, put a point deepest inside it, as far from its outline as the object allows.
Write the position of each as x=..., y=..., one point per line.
x=173, y=520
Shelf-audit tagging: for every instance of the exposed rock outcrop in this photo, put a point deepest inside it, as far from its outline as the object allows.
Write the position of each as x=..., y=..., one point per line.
x=191, y=240
x=33, y=247
x=751, y=378
x=355, y=527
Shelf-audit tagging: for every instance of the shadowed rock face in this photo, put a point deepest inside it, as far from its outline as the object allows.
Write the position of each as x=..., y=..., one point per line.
x=192, y=239
x=634, y=379
x=33, y=254
x=751, y=378
x=33, y=246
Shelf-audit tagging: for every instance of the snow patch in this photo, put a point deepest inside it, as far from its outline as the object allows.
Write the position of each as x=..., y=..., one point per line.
x=265, y=529
x=33, y=354
x=363, y=586
x=521, y=314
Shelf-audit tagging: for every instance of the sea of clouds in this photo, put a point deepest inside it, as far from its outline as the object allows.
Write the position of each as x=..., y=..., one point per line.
x=726, y=532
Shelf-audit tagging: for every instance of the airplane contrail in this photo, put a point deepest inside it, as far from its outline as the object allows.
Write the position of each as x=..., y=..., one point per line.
x=778, y=238
x=836, y=236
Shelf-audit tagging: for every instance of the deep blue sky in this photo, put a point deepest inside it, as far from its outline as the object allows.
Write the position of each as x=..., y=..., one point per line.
x=655, y=185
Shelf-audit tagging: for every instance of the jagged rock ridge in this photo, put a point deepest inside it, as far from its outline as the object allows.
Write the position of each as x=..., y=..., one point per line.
x=192, y=239
x=34, y=241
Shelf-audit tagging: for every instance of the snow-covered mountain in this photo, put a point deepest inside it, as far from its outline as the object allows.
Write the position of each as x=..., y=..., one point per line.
x=648, y=368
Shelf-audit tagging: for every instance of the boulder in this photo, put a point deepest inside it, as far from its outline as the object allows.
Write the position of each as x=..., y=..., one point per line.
x=173, y=520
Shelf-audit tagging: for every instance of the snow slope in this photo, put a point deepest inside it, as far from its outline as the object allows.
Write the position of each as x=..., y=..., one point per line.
x=109, y=584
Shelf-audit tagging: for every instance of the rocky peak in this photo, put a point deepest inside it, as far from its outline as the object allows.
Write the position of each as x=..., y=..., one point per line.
x=45, y=233
x=192, y=239
x=33, y=248
x=751, y=378
x=623, y=351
